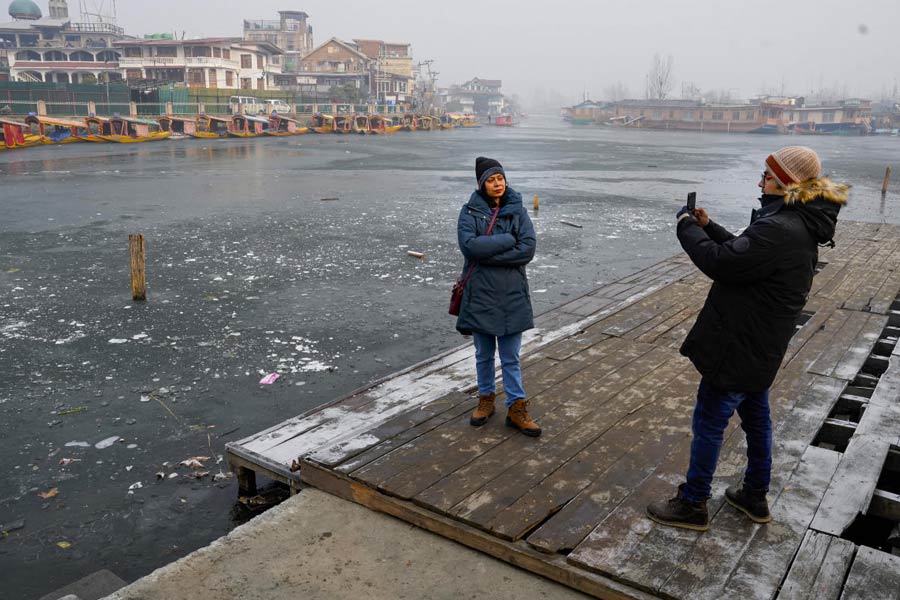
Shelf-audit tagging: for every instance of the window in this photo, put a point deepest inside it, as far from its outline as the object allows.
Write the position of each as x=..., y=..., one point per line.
x=751, y=115
x=226, y=54
x=246, y=84
x=167, y=51
x=133, y=74
x=217, y=52
x=332, y=49
x=718, y=115
x=55, y=56
x=736, y=115
x=688, y=115
x=213, y=79
x=28, y=55
x=657, y=115
x=133, y=52
x=260, y=84
x=259, y=62
x=401, y=87
x=204, y=51
x=197, y=76
x=700, y=114
x=671, y=114
x=384, y=86
x=828, y=116
x=246, y=61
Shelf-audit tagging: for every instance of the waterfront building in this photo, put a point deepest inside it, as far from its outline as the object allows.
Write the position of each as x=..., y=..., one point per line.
x=292, y=33
x=227, y=63
x=392, y=78
x=587, y=113
x=477, y=96
x=334, y=64
x=55, y=49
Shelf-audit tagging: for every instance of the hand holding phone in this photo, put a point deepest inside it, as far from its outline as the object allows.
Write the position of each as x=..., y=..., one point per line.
x=692, y=202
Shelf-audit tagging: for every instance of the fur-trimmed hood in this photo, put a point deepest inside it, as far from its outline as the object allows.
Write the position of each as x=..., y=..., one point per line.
x=818, y=202
x=816, y=188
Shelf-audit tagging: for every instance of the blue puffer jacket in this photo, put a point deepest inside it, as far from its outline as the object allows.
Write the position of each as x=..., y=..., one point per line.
x=496, y=300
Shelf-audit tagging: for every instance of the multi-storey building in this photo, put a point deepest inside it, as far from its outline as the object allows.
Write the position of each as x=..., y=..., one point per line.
x=291, y=33
x=392, y=78
x=229, y=63
x=55, y=49
x=479, y=96
x=334, y=64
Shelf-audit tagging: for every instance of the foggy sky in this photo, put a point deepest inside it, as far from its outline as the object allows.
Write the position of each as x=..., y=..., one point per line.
x=743, y=47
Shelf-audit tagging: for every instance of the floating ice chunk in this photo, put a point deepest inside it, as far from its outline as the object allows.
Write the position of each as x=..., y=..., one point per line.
x=77, y=445
x=140, y=336
x=118, y=341
x=102, y=444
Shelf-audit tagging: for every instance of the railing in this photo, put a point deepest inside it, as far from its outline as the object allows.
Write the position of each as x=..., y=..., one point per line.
x=212, y=61
x=150, y=61
x=96, y=28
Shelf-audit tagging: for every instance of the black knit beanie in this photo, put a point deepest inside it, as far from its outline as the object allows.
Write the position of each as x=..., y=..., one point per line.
x=485, y=167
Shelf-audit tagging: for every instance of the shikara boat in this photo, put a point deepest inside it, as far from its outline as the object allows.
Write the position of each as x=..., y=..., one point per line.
x=322, y=123
x=13, y=134
x=247, y=126
x=343, y=124
x=282, y=126
x=211, y=127
x=180, y=127
x=57, y=131
x=97, y=127
x=470, y=121
x=361, y=124
x=134, y=130
x=425, y=123
x=446, y=122
x=382, y=125
x=410, y=123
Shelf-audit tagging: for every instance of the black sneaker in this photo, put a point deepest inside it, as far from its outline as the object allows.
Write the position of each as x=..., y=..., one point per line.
x=678, y=512
x=750, y=502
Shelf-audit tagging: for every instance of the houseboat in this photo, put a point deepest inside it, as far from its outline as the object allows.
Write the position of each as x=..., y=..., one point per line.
x=343, y=124
x=247, y=126
x=179, y=127
x=13, y=135
x=502, y=121
x=280, y=126
x=361, y=124
x=379, y=124
x=57, y=131
x=133, y=130
x=426, y=123
x=211, y=127
x=410, y=123
x=322, y=123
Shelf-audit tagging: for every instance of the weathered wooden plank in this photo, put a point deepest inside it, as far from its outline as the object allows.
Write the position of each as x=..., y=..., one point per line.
x=819, y=570
x=518, y=554
x=506, y=468
x=407, y=465
x=860, y=348
x=657, y=415
x=758, y=573
x=845, y=338
x=874, y=574
x=822, y=339
x=555, y=409
x=862, y=296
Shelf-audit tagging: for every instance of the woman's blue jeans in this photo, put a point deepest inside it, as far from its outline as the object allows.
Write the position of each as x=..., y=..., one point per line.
x=714, y=408
x=485, y=348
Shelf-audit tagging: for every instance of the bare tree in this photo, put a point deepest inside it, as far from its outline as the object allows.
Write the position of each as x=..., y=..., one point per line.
x=617, y=91
x=659, y=79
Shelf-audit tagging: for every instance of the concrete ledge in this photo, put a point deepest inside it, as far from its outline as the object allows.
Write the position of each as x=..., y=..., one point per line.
x=315, y=545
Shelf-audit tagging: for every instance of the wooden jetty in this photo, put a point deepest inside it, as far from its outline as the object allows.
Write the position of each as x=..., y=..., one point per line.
x=615, y=399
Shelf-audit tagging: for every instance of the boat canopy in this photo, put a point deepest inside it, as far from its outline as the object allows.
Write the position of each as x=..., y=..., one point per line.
x=255, y=119
x=54, y=121
x=7, y=121
x=283, y=118
x=139, y=120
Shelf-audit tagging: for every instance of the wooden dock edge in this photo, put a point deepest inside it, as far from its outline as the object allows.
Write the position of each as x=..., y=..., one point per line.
x=519, y=554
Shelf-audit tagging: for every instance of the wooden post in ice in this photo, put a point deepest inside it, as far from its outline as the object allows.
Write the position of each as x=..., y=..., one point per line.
x=887, y=180
x=138, y=282
x=537, y=203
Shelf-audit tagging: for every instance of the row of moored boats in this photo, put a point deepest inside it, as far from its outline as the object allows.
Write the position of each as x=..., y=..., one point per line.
x=37, y=130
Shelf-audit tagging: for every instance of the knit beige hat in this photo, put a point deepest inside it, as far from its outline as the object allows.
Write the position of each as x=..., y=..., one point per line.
x=794, y=164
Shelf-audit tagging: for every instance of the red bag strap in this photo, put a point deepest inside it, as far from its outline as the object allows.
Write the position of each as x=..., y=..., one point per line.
x=490, y=227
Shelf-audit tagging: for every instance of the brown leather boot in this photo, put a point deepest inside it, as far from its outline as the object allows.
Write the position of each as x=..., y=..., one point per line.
x=484, y=411
x=518, y=417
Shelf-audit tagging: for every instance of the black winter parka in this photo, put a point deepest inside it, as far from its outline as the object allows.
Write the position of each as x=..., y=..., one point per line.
x=761, y=281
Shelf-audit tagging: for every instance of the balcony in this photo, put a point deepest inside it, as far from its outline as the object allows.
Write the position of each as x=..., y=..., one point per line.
x=136, y=62
x=211, y=62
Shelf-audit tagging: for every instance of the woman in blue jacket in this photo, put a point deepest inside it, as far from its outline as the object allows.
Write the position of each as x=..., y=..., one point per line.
x=496, y=305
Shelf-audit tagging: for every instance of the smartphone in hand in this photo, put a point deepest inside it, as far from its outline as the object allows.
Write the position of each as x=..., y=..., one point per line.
x=692, y=202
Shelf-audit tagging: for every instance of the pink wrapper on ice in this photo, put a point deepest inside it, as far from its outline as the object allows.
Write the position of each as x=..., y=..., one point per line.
x=269, y=379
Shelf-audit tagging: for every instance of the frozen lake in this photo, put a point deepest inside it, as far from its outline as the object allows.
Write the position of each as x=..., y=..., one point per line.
x=250, y=272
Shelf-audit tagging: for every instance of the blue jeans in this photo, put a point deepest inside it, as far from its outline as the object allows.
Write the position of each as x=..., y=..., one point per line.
x=485, y=348
x=714, y=409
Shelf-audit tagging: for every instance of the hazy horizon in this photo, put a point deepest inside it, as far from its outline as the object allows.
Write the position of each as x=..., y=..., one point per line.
x=740, y=49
